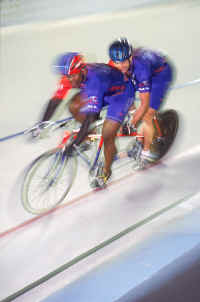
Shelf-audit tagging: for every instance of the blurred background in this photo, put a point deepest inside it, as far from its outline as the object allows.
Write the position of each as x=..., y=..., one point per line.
x=22, y=12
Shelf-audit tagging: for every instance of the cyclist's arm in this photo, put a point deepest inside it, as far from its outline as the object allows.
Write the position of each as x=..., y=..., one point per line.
x=63, y=88
x=89, y=104
x=144, y=105
x=90, y=118
x=142, y=72
x=83, y=132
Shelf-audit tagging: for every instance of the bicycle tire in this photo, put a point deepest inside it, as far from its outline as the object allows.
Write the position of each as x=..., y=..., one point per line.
x=47, y=181
x=169, y=123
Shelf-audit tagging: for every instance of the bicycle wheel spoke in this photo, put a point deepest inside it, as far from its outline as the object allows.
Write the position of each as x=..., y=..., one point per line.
x=47, y=182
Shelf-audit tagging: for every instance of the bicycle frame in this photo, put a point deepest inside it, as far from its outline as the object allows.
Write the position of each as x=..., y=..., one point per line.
x=92, y=165
x=50, y=176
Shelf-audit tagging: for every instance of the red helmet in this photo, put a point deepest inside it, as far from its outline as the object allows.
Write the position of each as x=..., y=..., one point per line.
x=69, y=63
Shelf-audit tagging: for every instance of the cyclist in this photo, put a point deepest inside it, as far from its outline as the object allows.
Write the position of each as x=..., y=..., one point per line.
x=64, y=87
x=100, y=85
x=152, y=74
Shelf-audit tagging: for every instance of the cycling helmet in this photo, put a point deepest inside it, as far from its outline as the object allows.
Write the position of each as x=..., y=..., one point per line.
x=69, y=63
x=120, y=50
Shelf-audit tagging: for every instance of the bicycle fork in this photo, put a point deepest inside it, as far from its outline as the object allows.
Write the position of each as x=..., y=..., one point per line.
x=95, y=163
x=58, y=162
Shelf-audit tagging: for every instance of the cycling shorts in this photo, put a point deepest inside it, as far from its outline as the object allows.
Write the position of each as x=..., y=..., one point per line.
x=159, y=86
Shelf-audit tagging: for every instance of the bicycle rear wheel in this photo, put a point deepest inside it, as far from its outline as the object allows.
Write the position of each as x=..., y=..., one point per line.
x=47, y=181
x=169, y=123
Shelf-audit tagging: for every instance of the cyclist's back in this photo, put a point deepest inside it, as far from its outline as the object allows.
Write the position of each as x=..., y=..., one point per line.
x=148, y=64
x=104, y=85
x=150, y=57
x=104, y=80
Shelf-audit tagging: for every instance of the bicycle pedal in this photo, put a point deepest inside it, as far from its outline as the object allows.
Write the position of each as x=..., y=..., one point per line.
x=92, y=172
x=143, y=164
x=135, y=152
x=139, y=167
x=93, y=184
x=135, y=166
x=97, y=183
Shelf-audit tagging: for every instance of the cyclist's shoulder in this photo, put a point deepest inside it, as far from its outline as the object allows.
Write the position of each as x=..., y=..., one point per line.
x=103, y=72
x=100, y=68
x=146, y=55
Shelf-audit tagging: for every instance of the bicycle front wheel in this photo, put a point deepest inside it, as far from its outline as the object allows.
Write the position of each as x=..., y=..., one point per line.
x=47, y=181
x=168, y=122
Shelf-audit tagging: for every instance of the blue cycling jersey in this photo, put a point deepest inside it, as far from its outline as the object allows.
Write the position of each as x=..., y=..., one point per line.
x=105, y=85
x=151, y=73
x=103, y=80
x=146, y=64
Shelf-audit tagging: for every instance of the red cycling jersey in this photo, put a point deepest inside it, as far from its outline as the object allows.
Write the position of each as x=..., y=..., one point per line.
x=63, y=87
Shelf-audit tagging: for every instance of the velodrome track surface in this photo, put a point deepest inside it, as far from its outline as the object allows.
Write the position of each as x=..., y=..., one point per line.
x=32, y=247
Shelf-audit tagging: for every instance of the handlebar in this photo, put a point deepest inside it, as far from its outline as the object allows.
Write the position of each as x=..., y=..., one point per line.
x=42, y=125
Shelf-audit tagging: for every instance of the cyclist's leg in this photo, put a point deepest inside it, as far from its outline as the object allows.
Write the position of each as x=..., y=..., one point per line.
x=109, y=131
x=117, y=109
x=147, y=128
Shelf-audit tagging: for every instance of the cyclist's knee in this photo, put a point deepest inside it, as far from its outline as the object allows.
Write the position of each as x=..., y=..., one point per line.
x=149, y=115
x=109, y=130
x=108, y=136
